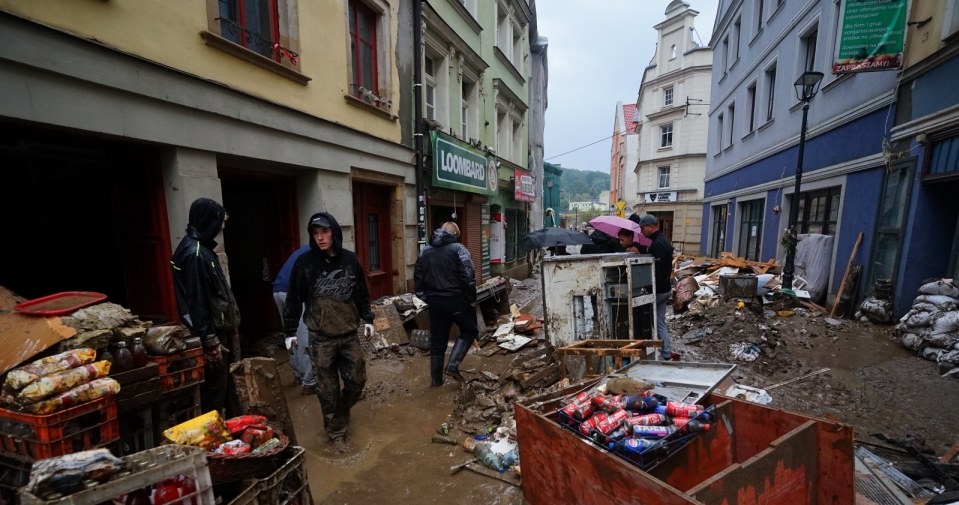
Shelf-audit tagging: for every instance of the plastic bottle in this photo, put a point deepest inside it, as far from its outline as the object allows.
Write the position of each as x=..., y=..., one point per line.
x=187, y=486
x=647, y=420
x=484, y=453
x=679, y=409
x=139, y=353
x=653, y=431
x=687, y=425
x=617, y=434
x=166, y=492
x=123, y=358
x=640, y=403
x=105, y=354
x=640, y=445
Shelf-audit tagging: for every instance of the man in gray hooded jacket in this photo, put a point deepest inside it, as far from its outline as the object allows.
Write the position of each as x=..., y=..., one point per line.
x=331, y=283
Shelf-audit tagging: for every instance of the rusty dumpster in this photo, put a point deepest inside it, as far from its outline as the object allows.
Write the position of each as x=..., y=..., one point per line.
x=752, y=455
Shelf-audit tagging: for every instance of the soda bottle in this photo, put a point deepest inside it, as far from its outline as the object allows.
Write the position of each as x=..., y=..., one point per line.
x=166, y=492
x=687, y=425
x=641, y=445
x=653, y=431
x=139, y=353
x=123, y=357
x=640, y=403
x=187, y=486
x=679, y=409
x=646, y=420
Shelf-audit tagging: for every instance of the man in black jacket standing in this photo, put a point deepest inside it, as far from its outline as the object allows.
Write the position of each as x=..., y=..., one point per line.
x=444, y=279
x=662, y=253
x=332, y=284
x=204, y=298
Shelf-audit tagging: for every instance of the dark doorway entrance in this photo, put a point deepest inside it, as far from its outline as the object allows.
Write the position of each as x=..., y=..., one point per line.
x=85, y=214
x=260, y=234
x=665, y=224
x=373, y=234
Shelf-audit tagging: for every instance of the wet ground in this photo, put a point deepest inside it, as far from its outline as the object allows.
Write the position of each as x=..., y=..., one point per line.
x=873, y=383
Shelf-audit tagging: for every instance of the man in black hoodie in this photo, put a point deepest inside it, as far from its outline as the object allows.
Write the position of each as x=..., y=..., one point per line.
x=443, y=278
x=206, y=303
x=332, y=284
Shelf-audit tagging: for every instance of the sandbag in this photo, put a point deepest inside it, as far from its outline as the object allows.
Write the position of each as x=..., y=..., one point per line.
x=944, y=340
x=932, y=353
x=940, y=301
x=877, y=310
x=918, y=318
x=912, y=341
x=940, y=287
x=946, y=322
x=924, y=306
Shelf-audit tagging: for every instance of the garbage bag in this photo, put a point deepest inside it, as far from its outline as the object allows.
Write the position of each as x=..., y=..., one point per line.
x=163, y=340
x=877, y=310
x=60, y=382
x=65, y=474
x=20, y=377
x=83, y=393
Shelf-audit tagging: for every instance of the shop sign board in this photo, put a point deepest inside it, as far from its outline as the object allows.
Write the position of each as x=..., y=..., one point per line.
x=871, y=37
x=666, y=196
x=459, y=166
x=523, y=189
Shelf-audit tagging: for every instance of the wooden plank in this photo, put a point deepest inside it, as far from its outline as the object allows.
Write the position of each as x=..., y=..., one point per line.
x=845, y=276
x=950, y=454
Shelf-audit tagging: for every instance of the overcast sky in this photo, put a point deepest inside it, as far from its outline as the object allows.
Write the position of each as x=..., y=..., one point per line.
x=598, y=50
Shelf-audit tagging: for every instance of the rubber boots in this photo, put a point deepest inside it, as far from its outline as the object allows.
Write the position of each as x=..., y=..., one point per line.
x=460, y=348
x=436, y=371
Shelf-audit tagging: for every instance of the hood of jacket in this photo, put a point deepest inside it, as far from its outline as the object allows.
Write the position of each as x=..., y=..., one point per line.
x=442, y=237
x=206, y=220
x=337, y=233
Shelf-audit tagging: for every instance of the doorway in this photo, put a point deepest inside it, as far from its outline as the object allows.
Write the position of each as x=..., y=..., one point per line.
x=665, y=224
x=372, y=210
x=259, y=236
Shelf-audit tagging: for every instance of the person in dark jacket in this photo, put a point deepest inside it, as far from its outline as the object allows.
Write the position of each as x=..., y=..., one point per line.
x=330, y=285
x=204, y=298
x=662, y=253
x=444, y=278
x=603, y=243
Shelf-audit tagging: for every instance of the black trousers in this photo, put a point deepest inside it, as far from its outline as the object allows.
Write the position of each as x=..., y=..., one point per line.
x=444, y=313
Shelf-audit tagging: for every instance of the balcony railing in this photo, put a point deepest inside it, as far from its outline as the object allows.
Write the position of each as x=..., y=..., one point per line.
x=256, y=43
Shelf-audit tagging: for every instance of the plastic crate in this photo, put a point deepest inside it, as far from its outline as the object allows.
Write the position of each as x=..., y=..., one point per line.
x=288, y=485
x=87, y=426
x=181, y=369
x=136, y=430
x=178, y=406
x=158, y=464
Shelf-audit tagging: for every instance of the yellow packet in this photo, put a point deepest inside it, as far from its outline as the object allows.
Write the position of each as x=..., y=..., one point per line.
x=206, y=431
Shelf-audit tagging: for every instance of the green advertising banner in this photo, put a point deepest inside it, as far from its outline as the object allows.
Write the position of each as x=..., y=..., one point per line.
x=871, y=36
x=457, y=165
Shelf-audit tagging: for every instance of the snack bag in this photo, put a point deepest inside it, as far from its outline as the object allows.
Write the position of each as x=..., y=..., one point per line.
x=206, y=431
x=239, y=423
x=20, y=377
x=81, y=394
x=59, y=382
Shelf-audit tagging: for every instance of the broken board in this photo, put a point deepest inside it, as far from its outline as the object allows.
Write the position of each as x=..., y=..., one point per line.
x=388, y=324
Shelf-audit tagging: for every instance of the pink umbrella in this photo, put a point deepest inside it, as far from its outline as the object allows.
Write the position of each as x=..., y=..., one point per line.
x=611, y=225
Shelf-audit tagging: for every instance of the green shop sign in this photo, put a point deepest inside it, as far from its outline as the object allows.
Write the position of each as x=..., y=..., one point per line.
x=459, y=166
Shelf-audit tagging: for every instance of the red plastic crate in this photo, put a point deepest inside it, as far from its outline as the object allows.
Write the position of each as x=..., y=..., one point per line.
x=32, y=437
x=178, y=370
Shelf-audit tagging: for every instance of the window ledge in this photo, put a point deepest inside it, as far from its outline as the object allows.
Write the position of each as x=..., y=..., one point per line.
x=500, y=55
x=728, y=147
x=664, y=148
x=218, y=42
x=356, y=102
x=765, y=125
x=750, y=134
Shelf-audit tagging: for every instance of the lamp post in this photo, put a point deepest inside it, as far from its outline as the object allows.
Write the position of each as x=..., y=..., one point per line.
x=806, y=88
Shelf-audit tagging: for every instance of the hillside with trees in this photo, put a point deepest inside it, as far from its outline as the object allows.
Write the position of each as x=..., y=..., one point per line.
x=581, y=186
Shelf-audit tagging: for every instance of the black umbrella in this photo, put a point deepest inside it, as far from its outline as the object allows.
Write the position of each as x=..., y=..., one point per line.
x=552, y=237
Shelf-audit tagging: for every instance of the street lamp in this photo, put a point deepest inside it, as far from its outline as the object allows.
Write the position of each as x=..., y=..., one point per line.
x=806, y=88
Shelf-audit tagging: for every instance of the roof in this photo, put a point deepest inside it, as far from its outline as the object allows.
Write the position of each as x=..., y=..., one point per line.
x=629, y=116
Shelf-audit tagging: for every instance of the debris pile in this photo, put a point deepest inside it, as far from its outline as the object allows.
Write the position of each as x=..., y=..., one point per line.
x=932, y=326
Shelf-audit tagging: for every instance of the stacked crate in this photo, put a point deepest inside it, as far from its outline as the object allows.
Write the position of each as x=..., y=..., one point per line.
x=139, y=392
x=181, y=375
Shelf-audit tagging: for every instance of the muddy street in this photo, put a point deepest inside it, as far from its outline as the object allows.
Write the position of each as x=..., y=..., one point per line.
x=872, y=383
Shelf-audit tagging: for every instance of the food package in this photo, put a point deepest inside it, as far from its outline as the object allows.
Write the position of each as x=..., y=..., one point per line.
x=65, y=474
x=269, y=445
x=238, y=424
x=233, y=448
x=20, y=377
x=256, y=434
x=83, y=393
x=206, y=431
x=60, y=382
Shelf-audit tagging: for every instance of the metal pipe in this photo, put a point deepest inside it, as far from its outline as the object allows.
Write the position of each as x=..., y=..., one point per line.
x=418, y=122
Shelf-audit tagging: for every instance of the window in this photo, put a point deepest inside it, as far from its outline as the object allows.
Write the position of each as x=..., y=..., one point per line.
x=672, y=52
x=720, y=131
x=470, y=6
x=758, y=10
x=466, y=91
x=808, y=45
x=373, y=241
x=429, y=74
x=732, y=123
x=517, y=152
x=750, y=229
x=819, y=211
x=889, y=227
x=724, y=54
x=514, y=218
x=770, y=91
x=363, y=50
x=666, y=135
x=668, y=95
x=737, y=38
x=663, y=177
x=751, y=103
x=943, y=159
x=503, y=36
x=720, y=214
x=255, y=25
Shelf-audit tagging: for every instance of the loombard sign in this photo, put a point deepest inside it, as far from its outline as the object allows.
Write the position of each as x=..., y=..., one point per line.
x=871, y=37
x=457, y=165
